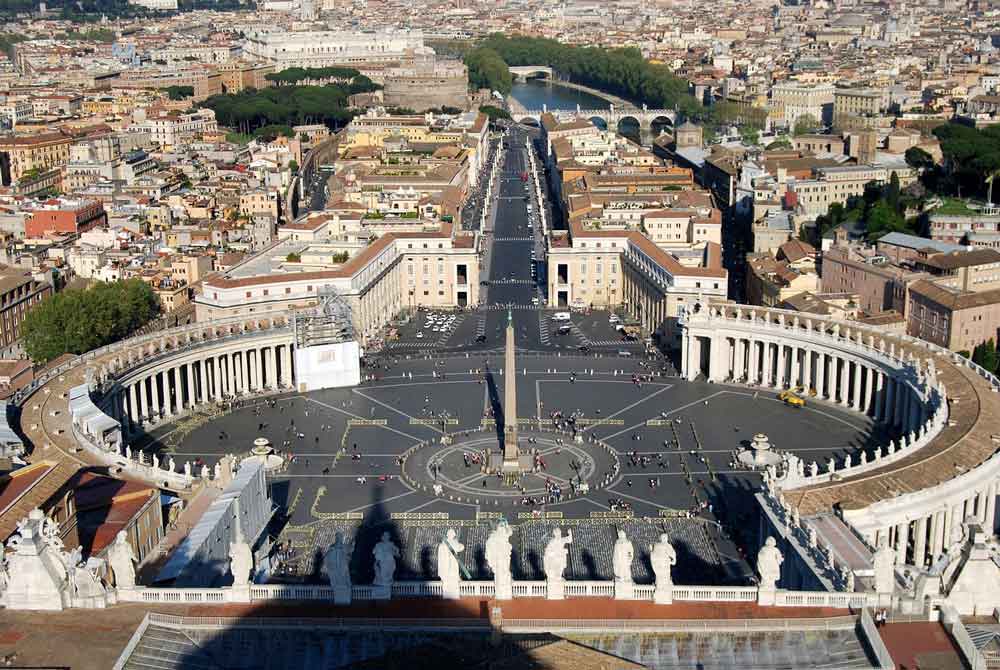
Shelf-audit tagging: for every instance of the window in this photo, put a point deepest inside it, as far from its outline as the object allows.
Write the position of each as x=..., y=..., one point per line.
x=248, y=294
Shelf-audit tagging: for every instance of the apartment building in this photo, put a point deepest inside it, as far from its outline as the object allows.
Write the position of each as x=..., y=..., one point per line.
x=18, y=294
x=799, y=100
x=32, y=153
x=65, y=216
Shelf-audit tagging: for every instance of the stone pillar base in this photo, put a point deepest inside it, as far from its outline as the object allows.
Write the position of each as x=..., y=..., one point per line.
x=239, y=594
x=451, y=591
x=663, y=595
x=624, y=590
x=766, y=596
x=555, y=590
x=503, y=591
x=342, y=595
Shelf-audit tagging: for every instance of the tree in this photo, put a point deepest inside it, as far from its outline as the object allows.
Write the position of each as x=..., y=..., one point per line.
x=806, y=124
x=76, y=321
x=293, y=166
x=179, y=92
x=985, y=355
x=781, y=143
x=918, y=159
x=494, y=113
x=488, y=70
x=294, y=258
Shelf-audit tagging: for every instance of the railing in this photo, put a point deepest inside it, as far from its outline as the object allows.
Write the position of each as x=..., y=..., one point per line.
x=882, y=655
x=953, y=624
x=745, y=594
x=165, y=595
x=341, y=623
x=668, y=625
x=834, y=599
x=133, y=642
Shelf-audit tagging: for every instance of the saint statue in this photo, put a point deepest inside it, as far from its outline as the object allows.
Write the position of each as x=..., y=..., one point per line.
x=385, y=560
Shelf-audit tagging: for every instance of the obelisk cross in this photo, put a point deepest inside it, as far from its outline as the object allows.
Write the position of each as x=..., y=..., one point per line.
x=510, y=450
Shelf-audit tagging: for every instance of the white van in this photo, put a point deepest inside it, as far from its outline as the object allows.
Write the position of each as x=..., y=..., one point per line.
x=560, y=316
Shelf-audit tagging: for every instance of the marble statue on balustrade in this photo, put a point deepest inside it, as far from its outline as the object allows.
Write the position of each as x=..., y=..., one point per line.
x=554, y=562
x=338, y=568
x=663, y=558
x=621, y=559
x=769, y=560
x=498, y=553
x=386, y=554
x=240, y=557
x=448, y=568
x=122, y=559
x=37, y=577
x=884, y=567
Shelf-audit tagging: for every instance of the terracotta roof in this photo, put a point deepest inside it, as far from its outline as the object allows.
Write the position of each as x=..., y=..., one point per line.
x=962, y=259
x=23, y=490
x=954, y=300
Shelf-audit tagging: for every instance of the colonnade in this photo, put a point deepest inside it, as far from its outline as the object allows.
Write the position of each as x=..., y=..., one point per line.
x=920, y=540
x=852, y=382
x=166, y=391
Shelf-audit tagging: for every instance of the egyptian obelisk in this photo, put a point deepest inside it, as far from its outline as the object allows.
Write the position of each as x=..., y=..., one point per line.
x=510, y=451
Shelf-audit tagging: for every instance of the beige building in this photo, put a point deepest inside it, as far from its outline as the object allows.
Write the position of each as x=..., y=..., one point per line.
x=956, y=319
x=799, y=100
x=19, y=155
x=604, y=268
x=404, y=270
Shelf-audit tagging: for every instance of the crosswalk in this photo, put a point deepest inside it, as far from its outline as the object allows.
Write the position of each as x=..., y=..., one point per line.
x=511, y=281
x=513, y=239
x=481, y=326
x=515, y=306
x=543, y=330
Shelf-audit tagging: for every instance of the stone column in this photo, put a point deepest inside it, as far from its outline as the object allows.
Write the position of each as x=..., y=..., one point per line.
x=820, y=374
x=217, y=376
x=845, y=382
x=203, y=387
x=857, y=387
x=240, y=358
x=890, y=400
x=902, y=537
x=272, y=367
x=902, y=393
x=287, y=377
x=920, y=542
x=255, y=369
x=782, y=366
x=808, y=381
x=794, y=352
x=167, y=395
x=879, y=395
x=738, y=359
x=154, y=395
x=134, y=415
x=143, y=399
x=869, y=407
x=175, y=372
x=190, y=386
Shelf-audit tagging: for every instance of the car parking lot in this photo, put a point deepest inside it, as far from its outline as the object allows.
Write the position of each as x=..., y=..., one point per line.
x=428, y=329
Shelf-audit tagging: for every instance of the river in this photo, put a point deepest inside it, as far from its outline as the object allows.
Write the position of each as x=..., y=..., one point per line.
x=534, y=93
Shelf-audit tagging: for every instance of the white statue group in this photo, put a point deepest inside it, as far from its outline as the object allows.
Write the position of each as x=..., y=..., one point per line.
x=498, y=551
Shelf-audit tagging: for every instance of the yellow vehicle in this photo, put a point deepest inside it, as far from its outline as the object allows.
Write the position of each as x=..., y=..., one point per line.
x=791, y=399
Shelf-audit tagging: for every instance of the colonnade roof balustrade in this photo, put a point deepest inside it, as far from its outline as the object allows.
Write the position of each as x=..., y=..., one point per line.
x=965, y=443
x=45, y=417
